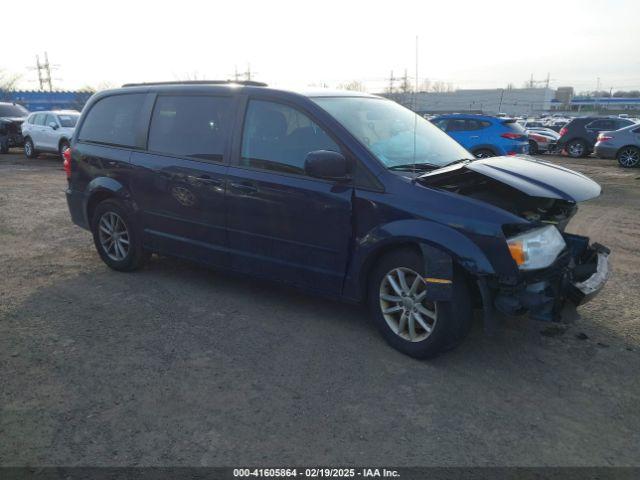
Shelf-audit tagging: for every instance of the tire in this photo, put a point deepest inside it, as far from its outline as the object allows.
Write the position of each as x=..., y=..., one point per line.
x=64, y=144
x=4, y=147
x=533, y=148
x=628, y=157
x=122, y=257
x=483, y=153
x=577, y=149
x=29, y=149
x=452, y=318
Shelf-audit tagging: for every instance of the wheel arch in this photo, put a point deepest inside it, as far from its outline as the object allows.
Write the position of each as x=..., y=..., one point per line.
x=442, y=250
x=103, y=188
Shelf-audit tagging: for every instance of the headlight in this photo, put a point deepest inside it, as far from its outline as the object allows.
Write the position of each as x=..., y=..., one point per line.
x=537, y=248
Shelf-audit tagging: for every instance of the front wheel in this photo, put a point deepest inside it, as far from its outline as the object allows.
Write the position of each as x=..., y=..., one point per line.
x=29, y=149
x=533, y=147
x=116, y=236
x=629, y=157
x=408, y=321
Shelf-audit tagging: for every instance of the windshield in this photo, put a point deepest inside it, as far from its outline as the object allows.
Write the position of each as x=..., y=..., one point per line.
x=68, y=120
x=13, y=110
x=394, y=134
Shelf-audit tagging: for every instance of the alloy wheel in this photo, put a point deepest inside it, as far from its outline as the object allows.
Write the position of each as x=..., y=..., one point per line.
x=576, y=149
x=404, y=307
x=114, y=236
x=629, y=157
x=27, y=149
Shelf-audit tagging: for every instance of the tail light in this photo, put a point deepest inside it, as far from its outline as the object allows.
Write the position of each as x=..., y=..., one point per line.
x=603, y=138
x=512, y=135
x=563, y=131
x=66, y=164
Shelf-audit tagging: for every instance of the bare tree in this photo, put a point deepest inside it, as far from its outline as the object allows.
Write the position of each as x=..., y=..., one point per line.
x=425, y=85
x=353, y=85
x=8, y=81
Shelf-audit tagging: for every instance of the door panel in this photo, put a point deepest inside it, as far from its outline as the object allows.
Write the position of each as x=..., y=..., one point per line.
x=179, y=183
x=281, y=223
x=182, y=205
x=288, y=228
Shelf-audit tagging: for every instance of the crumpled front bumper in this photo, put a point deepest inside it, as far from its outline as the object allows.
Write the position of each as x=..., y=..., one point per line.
x=575, y=278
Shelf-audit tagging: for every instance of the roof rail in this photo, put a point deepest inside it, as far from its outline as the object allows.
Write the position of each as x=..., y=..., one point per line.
x=248, y=83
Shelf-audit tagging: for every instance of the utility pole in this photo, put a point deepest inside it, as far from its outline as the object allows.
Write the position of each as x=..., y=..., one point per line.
x=44, y=72
x=548, y=78
x=246, y=75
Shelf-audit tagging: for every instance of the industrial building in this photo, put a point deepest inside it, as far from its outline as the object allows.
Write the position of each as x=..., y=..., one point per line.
x=513, y=101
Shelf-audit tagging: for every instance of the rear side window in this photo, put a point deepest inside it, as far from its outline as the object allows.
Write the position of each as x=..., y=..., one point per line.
x=278, y=137
x=113, y=120
x=477, y=124
x=457, y=125
x=190, y=126
x=603, y=125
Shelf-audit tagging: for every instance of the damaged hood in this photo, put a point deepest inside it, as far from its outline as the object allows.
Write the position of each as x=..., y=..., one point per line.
x=531, y=177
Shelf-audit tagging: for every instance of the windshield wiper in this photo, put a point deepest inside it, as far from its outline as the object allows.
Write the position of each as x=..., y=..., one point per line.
x=414, y=167
x=461, y=160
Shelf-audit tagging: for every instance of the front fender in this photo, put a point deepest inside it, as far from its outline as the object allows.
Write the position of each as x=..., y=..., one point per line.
x=437, y=242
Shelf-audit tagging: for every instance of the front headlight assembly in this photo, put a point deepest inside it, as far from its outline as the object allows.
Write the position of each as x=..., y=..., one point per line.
x=537, y=248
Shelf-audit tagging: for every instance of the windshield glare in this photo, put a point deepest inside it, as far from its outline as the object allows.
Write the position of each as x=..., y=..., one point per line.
x=394, y=134
x=13, y=110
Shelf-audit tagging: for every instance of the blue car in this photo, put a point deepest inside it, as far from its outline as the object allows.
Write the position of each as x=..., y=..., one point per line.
x=348, y=195
x=485, y=136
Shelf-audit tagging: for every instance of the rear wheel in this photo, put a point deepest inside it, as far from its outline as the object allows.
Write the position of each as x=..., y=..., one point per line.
x=483, y=153
x=64, y=144
x=629, y=157
x=577, y=149
x=408, y=321
x=117, y=237
x=533, y=147
x=29, y=149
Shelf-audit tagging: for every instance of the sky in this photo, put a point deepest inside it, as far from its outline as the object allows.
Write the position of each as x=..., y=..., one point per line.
x=469, y=44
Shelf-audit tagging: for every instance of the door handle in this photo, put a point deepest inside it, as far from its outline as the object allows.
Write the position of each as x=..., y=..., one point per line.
x=246, y=188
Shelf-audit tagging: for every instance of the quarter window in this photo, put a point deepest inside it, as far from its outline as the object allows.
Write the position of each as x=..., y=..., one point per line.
x=190, y=126
x=113, y=120
x=278, y=137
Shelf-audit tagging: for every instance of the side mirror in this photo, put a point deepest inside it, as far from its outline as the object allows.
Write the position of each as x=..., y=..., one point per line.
x=327, y=165
x=53, y=125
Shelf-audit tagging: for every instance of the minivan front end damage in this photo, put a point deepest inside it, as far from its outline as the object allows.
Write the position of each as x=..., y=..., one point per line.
x=576, y=276
x=545, y=196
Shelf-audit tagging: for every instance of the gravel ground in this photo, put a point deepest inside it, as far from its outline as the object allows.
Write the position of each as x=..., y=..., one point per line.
x=180, y=365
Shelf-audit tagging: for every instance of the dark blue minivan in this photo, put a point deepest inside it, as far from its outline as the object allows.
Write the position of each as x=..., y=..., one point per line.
x=345, y=194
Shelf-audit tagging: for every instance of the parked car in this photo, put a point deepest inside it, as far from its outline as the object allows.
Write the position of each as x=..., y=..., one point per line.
x=341, y=193
x=483, y=135
x=48, y=131
x=623, y=145
x=541, y=141
x=579, y=136
x=11, y=117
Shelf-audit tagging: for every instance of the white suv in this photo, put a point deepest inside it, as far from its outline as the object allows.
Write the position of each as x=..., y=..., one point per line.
x=48, y=131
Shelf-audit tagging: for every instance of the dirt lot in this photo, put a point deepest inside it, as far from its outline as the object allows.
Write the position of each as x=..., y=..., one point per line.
x=179, y=365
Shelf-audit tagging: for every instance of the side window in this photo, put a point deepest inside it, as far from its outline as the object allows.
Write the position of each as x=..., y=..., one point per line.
x=441, y=124
x=457, y=125
x=278, y=137
x=623, y=123
x=190, y=126
x=50, y=119
x=484, y=124
x=637, y=130
x=113, y=120
x=39, y=120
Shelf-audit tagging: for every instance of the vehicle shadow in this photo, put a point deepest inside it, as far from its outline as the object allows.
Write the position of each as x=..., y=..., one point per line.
x=181, y=365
